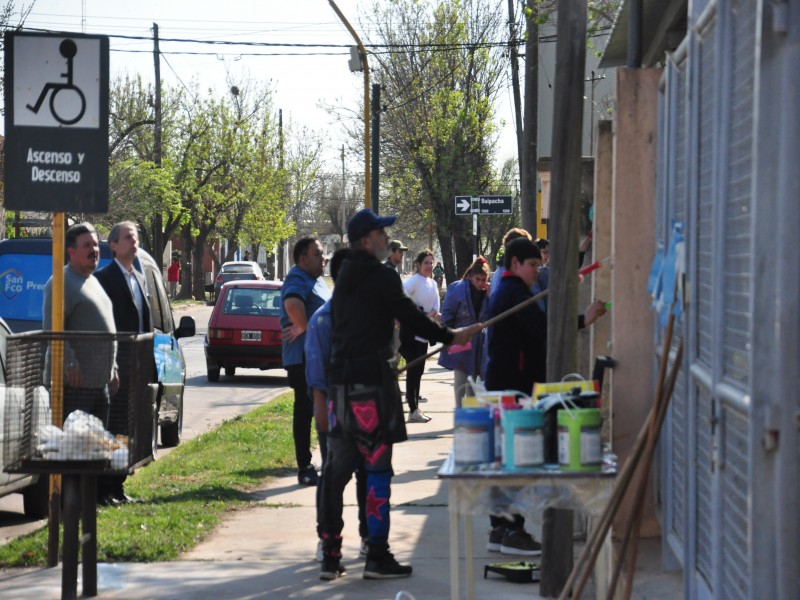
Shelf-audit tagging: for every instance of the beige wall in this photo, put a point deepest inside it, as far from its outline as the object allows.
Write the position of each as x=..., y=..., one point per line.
x=632, y=239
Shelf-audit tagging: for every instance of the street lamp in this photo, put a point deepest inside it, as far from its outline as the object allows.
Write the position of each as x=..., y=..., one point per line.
x=358, y=62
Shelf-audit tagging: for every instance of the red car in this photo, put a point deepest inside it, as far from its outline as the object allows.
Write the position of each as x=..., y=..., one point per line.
x=244, y=330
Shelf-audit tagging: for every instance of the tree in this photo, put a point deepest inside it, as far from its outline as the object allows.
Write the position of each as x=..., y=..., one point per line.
x=441, y=76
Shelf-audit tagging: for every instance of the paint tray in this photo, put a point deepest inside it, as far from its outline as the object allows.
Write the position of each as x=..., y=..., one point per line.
x=516, y=572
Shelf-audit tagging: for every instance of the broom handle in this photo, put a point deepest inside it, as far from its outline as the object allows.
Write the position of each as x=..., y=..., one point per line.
x=592, y=549
x=489, y=323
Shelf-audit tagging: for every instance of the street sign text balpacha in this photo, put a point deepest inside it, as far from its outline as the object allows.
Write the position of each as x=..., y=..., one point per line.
x=484, y=205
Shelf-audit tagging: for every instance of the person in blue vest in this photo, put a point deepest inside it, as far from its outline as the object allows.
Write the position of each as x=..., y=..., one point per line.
x=302, y=293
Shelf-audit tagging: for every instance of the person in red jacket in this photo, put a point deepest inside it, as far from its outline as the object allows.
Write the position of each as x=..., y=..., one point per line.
x=173, y=277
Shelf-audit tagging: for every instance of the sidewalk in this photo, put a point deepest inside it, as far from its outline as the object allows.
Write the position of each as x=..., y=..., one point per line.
x=268, y=551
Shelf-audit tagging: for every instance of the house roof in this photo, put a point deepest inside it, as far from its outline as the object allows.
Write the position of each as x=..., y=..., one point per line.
x=663, y=26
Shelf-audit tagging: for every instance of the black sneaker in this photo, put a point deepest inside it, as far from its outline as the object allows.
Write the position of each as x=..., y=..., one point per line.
x=308, y=476
x=332, y=568
x=496, y=538
x=385, y=567
x=519, y=542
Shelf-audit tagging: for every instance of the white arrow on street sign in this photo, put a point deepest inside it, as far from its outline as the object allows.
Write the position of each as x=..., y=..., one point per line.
x=463, y=205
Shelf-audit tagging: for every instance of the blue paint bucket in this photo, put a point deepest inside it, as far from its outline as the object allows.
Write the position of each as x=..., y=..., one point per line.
x=523, y=439
x=473, y=436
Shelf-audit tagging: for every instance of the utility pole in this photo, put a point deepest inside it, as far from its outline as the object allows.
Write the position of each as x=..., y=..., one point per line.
x=376, y=145
x=344, y=198
x=562, y=332
x=158, y=244
x=530, y=118
x=360, y=63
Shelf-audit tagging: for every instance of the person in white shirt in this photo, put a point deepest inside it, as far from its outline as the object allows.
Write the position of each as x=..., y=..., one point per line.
x=422, y=289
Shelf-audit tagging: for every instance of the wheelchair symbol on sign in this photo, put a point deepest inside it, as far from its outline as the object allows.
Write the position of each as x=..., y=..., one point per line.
x=68, y=50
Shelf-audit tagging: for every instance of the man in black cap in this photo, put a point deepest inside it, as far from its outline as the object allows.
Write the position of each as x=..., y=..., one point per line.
x=366, y=412
x=396, y=250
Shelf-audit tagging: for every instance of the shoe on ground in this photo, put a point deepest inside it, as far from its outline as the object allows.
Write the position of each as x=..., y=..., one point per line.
x=422, y=400
x=308, y=476
x=519, y=542
x=496, y=538
x=332, y=568
x=364, y=548
x=320, y=556
x=418, y=417
x=384, y=566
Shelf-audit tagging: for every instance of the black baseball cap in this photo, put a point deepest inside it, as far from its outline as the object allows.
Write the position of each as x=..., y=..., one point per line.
x=365, y=221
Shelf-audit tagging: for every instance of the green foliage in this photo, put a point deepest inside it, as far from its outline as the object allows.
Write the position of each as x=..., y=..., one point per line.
x=185, y=493
x=440, y=81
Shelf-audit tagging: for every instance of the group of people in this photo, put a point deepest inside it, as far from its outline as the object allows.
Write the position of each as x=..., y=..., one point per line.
x=340, y=349
x=340, y=353
x=110, y=300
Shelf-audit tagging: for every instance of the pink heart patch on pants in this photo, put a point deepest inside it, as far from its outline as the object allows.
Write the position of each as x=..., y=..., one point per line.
x=366, y=415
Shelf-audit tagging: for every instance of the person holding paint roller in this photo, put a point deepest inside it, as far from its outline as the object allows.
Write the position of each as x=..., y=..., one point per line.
x=518, y=358
x=467, y=302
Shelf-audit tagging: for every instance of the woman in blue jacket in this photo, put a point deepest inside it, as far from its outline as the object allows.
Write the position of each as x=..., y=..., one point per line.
x=467, y=302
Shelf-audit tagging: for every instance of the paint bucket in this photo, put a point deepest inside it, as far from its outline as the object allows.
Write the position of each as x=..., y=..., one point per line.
x=473, y=436
x=579, y=446
x=523, y=438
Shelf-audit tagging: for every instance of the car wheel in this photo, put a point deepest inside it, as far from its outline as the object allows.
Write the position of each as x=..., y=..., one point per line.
x=171, y=432
x=36, y=498
x=230, y=371
x=213, y=373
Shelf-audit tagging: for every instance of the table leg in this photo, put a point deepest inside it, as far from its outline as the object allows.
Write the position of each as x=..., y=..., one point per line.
x=453, y=509
x=469, y=557
x=89, y=537
x=69, y=567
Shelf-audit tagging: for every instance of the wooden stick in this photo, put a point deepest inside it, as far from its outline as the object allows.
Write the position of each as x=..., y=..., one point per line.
x=591, y=551
x=649, y=453
x=631, y=532
x=489, y=323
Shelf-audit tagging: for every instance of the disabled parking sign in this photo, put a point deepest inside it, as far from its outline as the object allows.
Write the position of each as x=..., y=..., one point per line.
x=56, y=98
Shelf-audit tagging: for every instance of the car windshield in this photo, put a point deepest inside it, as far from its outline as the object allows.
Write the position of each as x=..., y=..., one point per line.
x=237, y=269
x=252, y=301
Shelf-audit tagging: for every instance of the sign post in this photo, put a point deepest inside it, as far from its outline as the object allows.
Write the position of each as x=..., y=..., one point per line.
x=56, y=160
x=483, y=205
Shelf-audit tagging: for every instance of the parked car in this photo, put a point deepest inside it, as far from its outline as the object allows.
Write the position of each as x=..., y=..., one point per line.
x=244, y=330
x=25, y=266
x=236, y=270
x=34, y=488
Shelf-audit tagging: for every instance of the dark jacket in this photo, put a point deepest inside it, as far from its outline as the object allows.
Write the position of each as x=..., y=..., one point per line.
x=114, y=283
x=367, y=298
x=517, y=344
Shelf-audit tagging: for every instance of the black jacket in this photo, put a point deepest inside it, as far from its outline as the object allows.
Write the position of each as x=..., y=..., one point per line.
x=126, y=317
x=367, y=298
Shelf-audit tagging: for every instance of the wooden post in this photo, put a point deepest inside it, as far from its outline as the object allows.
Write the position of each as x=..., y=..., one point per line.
x=562, y=336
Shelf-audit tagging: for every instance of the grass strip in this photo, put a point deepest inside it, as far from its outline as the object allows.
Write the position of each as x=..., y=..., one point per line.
x=184, y=494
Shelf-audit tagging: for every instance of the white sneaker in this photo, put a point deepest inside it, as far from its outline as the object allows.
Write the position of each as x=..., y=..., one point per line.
x=421, y=399
x=319, y=556
x=418, y=417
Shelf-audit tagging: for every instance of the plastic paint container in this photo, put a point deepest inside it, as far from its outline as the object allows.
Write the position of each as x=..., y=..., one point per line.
x=473, y=436
x=579, y=447
x=523, y=439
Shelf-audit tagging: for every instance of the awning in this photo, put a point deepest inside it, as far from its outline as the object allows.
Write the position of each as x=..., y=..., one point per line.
x=663, y=28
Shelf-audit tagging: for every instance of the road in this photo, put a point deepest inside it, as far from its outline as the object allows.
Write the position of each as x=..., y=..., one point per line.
x=206, y=406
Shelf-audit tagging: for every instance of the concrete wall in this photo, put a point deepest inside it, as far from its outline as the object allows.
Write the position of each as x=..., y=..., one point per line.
x=633, y=243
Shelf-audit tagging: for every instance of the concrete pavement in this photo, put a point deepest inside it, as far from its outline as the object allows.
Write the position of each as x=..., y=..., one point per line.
x=268, y=551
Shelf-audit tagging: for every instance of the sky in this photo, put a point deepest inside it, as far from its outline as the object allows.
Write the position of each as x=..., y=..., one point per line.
x=304, y=79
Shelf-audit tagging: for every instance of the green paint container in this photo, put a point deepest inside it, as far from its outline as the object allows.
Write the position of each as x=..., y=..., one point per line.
x=579, y=446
